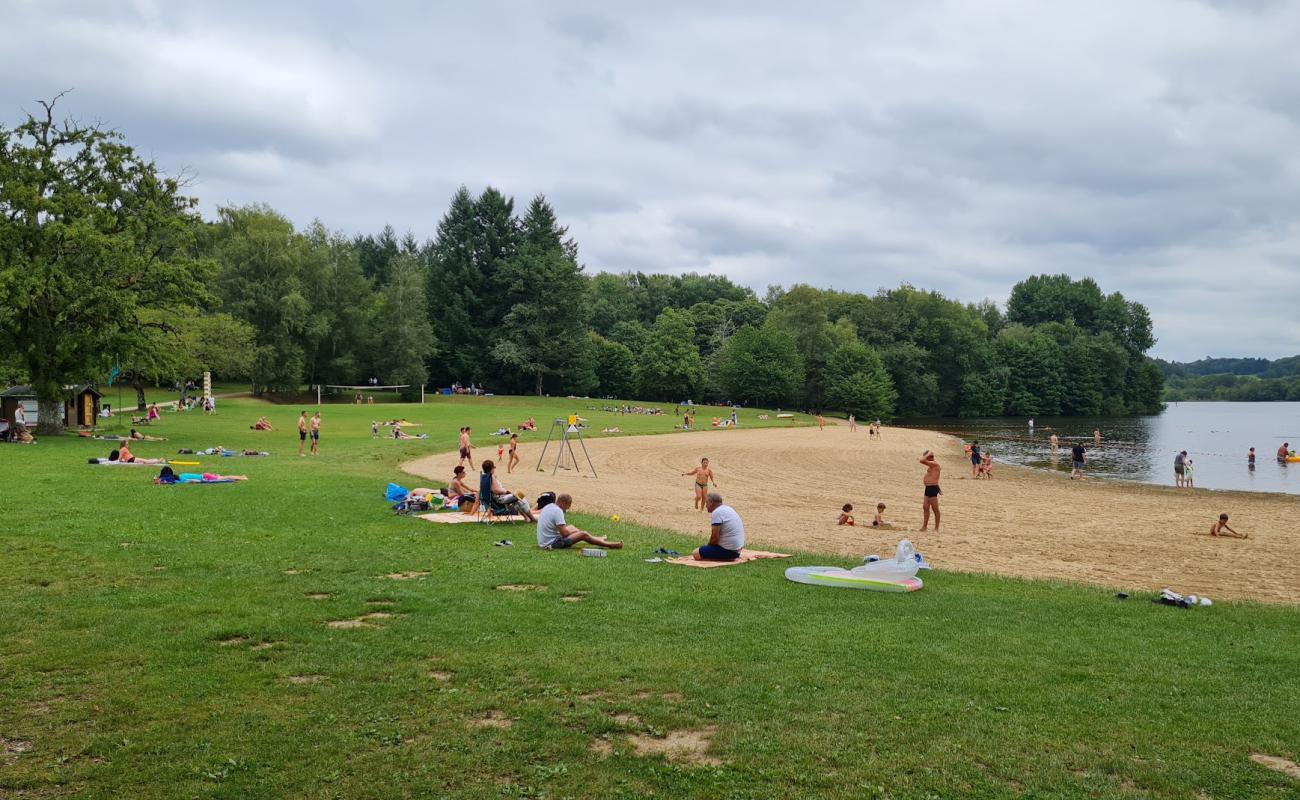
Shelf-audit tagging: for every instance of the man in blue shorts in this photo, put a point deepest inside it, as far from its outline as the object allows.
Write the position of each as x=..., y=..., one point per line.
x=553, y=533
x=727, y=534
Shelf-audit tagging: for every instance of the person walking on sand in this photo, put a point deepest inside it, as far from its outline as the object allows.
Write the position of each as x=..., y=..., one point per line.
x=466, y=448
x=975, y=459
x=1180, y=469
x=514, y=456
x=1078, y=458
x=703, y=477
x=315, y=434
x=302, y=432
x=853, y=424
x=821, y=423
x=932, y=491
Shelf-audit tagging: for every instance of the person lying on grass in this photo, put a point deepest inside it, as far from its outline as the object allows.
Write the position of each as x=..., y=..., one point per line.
x=1219, y=528
x=727, y=533
x=140, y=437
x=125, y=455
x=553, y=533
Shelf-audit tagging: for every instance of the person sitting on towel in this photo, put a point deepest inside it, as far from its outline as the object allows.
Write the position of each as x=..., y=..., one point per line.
x=727, y=536
x=553, y=533
x=466, y=500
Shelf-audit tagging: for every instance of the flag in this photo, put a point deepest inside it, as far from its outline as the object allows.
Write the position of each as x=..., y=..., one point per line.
x=115, y=371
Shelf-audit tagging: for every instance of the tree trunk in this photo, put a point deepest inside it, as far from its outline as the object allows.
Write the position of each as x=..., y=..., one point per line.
x=49, y=400
x=539, y=383
x=140, y=404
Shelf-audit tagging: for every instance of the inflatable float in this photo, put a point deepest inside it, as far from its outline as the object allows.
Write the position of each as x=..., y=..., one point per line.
x=895, y=575
x=1293, y=459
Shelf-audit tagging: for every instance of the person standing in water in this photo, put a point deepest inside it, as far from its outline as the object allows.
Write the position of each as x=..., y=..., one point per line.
x=1096, y=437
x=932, y=491
x=1283, y=452
x=703, y=477
x=1056, y=442
x=1250, y=459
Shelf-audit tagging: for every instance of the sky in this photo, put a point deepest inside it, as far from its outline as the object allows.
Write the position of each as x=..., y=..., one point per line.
x=955, y=146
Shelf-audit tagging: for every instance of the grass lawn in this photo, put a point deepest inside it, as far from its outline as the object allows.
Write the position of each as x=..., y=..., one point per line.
x=163, y=642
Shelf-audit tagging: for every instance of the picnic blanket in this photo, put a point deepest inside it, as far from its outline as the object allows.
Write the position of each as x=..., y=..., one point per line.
x=454, y=517
x=745, y=555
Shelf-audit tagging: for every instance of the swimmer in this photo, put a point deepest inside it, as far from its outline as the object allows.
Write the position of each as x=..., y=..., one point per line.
x=703, y=477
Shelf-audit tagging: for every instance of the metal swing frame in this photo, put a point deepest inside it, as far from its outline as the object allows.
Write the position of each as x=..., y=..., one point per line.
x=566, y=445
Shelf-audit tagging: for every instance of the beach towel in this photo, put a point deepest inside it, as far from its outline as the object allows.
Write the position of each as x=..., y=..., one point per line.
x=456, y=517
x=745, y=555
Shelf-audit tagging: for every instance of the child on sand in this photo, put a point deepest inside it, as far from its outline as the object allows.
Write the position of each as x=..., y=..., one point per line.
x=703, y=477
x=1218, y=528
x=846, y=515
x=986, y=465
x=878, y=521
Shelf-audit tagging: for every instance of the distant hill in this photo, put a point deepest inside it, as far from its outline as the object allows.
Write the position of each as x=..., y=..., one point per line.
x=1248, y=379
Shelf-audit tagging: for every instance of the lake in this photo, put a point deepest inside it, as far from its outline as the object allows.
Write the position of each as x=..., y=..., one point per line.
x=1216, y=437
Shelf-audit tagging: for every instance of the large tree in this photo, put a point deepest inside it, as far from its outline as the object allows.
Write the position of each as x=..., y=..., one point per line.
x=856, y=381
x=545, y=331
x=406, y=339
x=669, y=366
x=760, y=366
x=261, y=281
x=94, y=241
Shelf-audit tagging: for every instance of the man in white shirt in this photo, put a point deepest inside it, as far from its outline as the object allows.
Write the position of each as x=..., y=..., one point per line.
x=553, y=533
x=727, y=536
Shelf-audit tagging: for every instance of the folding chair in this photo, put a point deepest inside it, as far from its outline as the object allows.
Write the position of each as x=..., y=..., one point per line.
x=488, y=507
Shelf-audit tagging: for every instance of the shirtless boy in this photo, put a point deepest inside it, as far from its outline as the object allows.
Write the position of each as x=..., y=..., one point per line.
x=1219, y=528
x=466, y=448
x=302, y=432
x=931, y=481
x=703, y=477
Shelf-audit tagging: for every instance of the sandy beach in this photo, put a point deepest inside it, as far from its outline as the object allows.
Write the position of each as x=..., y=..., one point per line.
x=788, y=486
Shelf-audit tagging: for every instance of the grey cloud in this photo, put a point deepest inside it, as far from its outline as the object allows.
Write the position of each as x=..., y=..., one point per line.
x=1150, y=146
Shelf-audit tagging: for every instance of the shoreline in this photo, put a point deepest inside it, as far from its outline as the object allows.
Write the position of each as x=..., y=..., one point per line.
x=788, y=484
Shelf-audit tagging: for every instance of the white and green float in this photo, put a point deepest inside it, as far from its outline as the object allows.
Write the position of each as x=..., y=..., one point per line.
x=897, y=574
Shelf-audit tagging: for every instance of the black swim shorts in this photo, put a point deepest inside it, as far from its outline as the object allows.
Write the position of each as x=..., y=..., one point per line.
x=932, y=491
x=302, y=436
x=464, y=452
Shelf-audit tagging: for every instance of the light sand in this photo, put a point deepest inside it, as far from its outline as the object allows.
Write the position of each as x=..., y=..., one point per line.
x=788, y=486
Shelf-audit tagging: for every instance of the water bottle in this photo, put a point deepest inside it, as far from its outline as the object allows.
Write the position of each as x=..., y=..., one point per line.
x=593, y=552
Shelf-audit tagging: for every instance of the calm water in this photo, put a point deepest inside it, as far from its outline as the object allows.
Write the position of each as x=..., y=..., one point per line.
x=1216, y=437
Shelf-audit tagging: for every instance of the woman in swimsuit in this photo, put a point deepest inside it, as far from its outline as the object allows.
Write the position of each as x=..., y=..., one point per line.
x=514, y=457
x=703, y=477
x=466, y=499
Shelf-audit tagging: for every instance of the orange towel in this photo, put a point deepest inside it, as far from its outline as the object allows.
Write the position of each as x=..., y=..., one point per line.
x=745, y=555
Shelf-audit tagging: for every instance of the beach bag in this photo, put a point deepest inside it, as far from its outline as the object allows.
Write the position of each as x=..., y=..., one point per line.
x=395, y=493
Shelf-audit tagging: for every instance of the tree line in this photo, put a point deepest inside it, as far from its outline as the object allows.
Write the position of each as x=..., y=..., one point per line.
x=1239, y=379
x=106, y=265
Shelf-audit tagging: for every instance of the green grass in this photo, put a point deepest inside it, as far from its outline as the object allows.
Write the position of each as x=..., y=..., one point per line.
x=117, y=594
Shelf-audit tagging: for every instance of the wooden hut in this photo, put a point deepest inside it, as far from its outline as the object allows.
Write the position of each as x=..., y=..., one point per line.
x=80, y=405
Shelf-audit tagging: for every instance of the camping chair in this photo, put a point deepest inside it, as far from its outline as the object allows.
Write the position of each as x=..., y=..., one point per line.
x=488, y=507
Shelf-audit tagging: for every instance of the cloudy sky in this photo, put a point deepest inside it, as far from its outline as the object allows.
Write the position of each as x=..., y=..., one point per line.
x=961, y=146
